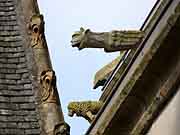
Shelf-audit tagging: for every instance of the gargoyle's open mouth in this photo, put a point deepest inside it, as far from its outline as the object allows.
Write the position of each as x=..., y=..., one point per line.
x=70, y=113
x=77, y=44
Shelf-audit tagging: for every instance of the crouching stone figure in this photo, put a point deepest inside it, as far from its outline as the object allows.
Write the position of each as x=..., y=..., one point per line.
x=86, y=109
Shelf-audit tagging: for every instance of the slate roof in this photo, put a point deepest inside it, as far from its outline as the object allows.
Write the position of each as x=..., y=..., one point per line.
x=17, y=102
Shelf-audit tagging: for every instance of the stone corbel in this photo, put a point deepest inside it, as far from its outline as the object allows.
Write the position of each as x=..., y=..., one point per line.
x=62, y=129
x=48, y=83
x=36, y=28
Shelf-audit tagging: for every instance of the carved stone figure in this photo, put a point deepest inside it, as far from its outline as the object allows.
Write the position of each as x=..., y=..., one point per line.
x=110, y=41
x=48, y=82
x=51, y=115
x=36, y=27
x=86, y=109
x=103, y=74
x=62, y=129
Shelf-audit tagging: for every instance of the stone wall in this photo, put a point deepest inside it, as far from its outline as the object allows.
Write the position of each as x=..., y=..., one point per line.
x=169, y=121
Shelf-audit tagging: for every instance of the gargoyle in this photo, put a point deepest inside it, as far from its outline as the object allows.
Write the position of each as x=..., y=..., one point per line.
x=110, y=41
x=103, y=74
x=86, y=109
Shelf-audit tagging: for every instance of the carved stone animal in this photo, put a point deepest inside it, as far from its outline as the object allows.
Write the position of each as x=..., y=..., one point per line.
x=86, y=109
x=110, y=41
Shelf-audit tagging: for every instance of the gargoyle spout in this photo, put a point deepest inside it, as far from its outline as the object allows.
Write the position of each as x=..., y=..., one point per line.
x=110, y=41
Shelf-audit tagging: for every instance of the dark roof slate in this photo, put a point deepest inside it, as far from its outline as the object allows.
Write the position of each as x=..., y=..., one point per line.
x=17, y=102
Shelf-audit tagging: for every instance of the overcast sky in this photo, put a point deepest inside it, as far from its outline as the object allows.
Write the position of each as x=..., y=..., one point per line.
x=75, y=69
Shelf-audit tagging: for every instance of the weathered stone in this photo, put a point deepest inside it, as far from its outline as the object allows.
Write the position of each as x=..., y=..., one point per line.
x=85, y=109
x=102, y=75
x=36, y=27
x=110, y=41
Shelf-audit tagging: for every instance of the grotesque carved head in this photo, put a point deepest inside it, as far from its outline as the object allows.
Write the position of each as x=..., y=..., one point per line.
x=37, y=24
x=78, y=38
x=36, y=27
x=47, y=80
x=62, y=129
x=71, y=108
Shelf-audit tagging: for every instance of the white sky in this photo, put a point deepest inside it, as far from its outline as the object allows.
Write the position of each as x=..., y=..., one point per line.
x=75, y=69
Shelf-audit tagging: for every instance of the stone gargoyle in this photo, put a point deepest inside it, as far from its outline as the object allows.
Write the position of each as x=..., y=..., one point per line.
x=85, y=109
x=110, y=41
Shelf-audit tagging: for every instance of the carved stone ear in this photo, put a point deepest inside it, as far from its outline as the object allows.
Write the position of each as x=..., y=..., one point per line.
x=86, y=31
x=82, y=29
